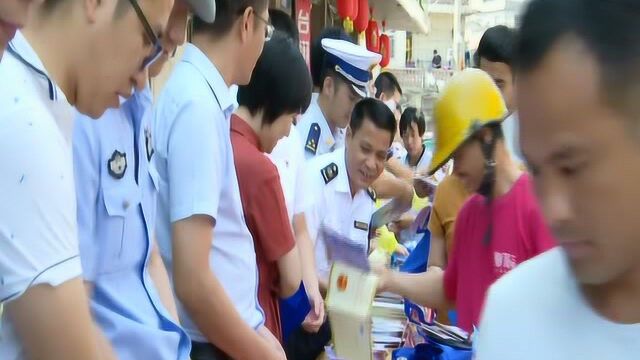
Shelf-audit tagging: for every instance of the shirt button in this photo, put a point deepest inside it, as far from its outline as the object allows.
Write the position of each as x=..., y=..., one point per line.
x=125, y=204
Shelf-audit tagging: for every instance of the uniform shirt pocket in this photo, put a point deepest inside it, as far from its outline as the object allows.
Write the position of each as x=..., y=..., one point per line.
x=120, y=203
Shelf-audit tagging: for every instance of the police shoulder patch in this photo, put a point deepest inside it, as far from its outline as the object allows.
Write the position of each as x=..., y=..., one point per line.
x=312, y=139
x=329, y=172
x=372, y=194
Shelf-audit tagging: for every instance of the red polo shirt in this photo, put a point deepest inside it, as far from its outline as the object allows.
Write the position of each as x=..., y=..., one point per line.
x=265, y=212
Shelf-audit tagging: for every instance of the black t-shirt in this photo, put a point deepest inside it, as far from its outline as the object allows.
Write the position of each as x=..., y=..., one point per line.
x=437, y=61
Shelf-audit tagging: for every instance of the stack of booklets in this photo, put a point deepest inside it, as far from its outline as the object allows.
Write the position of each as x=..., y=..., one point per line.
x=363, y=326
x=388, y=322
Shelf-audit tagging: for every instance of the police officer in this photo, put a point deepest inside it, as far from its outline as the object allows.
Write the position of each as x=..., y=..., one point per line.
x=345, y=75
x=117, y=184
x=65, y=57
x=340, y=197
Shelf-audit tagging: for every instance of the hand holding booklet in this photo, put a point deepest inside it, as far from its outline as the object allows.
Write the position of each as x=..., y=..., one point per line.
x=350, y=295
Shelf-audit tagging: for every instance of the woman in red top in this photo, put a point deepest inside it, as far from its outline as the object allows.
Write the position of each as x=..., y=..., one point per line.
x=279, y=90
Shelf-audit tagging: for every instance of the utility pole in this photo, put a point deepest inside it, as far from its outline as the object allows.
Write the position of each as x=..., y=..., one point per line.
x=457, y=35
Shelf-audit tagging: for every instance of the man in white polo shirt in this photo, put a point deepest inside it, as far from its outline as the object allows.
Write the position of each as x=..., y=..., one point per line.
x=54, y=64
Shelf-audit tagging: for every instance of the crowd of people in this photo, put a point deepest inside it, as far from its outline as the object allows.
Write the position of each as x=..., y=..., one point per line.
x=192, y=225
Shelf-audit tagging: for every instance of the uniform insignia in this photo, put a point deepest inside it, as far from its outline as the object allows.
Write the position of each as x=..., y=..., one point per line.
x=342, y=282
x=372, y=194
x=148, y=141
x=361, y=225
x=117, y=164
x=313, y=138
x=329, y=172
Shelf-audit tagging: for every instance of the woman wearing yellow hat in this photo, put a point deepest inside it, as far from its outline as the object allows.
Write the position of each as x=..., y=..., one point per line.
x=499, y=226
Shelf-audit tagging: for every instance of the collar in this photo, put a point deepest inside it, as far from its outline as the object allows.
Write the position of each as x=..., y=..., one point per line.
x=210, y=72
x=242, y=128
x=24, y=53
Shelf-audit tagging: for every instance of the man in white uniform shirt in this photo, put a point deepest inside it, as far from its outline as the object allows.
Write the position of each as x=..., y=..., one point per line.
x=345, y=74
x=338, y=183
x=71, y=53
x=577, y=93
x=339, y=197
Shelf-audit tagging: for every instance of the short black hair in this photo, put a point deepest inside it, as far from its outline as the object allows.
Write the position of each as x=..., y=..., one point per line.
x=317, y=63
x=608, y=29
x=409, y=116
x=387, y=83
x=496, y=45
x=280, y=82
x=375, y=111
x=283, y=22
x=227, y=12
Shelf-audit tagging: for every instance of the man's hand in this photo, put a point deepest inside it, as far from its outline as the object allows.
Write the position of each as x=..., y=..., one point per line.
x=404, y=222
x=424, y=188
x=315, y=318
x=278, y=352
x=384, y=278
x=401, y=250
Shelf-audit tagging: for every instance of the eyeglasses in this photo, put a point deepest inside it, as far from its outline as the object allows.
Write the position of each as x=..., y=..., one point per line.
x=153, y=38
x=268, y=31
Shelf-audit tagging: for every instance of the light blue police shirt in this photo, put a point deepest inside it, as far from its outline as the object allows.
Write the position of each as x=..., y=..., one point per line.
x=116, y=185
x=198, y=177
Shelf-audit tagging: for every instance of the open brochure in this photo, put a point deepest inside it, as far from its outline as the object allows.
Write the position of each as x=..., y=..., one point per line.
x=344, y=250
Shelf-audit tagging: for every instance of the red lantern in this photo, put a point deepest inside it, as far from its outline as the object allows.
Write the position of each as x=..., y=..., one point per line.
x=373, y=41
x=347, y=10
x=362, y=20
x=385, y=50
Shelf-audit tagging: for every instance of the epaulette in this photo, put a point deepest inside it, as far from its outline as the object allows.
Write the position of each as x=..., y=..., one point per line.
x=329, y=172
x=312, y=139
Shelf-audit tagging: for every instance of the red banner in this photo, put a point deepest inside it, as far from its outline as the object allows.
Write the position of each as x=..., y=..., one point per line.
x=303, y=19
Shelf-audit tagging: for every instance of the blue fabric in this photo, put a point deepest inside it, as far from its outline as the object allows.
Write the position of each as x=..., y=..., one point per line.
x=432, y=351
x=417, y=260
x=355, y=72
x=453, y=317
x=293, y=310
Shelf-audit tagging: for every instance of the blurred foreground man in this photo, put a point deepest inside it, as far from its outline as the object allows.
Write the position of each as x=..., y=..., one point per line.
x=579, y=76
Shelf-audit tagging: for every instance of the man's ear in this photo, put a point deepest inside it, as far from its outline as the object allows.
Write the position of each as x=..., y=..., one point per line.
x=328, y=85
x=91, y=10
x=246, y=25
x=349, y=132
